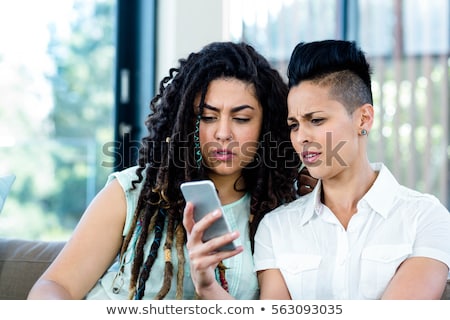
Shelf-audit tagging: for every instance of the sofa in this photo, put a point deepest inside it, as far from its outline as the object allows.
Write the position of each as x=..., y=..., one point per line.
x=23, y=261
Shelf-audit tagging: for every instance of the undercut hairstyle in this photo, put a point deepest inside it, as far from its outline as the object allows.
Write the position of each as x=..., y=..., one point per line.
x=337, y=64
x=167, y=156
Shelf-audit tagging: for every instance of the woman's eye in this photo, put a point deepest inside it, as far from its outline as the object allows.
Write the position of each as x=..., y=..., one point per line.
x=241, y=119
x=317, y=120
x=292, y=126
x=207, y=118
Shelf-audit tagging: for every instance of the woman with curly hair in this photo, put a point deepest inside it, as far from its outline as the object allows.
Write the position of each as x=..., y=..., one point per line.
x=220, y=115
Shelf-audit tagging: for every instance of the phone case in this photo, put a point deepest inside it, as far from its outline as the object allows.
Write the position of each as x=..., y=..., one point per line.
x=205, y=199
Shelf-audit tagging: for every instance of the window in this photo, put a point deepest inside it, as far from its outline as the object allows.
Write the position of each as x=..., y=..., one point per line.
x=63, y=80
x=408, y=44
x=56, y=111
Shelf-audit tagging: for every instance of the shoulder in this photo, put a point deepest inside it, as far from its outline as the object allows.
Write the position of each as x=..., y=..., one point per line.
x=293, y=211
x=420, y=202
x=387, y=195
x=293, y=205
x=124, y=177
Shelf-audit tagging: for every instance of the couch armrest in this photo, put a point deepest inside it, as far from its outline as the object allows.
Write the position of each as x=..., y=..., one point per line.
x=446, y=294
x=21, y=264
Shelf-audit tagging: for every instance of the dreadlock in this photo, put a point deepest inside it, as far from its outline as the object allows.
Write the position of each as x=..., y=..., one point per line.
x=166, y=157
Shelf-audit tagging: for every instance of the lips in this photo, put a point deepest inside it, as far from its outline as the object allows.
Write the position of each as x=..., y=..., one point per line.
x=222, y=155
x=309, y=157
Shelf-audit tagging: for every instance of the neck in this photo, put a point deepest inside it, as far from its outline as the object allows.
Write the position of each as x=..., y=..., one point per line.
x=342, y=193
x=226, y=185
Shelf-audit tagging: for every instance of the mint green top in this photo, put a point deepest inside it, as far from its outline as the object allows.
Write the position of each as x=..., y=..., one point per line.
x=241, y=278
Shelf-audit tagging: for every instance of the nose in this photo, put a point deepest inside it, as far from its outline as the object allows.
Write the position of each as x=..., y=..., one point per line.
x=223, y=132
x=300, y=136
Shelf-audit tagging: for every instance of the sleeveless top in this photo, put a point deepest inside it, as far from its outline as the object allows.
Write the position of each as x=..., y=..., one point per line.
x=240, y=274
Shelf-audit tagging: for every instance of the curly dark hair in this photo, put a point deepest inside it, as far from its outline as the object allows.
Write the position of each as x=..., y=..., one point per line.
x=166, y=157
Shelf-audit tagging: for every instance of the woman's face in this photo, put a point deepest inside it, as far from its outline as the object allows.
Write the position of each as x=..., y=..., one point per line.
x=322, y=132
x=230, y=126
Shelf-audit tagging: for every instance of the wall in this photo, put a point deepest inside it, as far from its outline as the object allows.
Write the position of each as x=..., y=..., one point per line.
x=186, y=26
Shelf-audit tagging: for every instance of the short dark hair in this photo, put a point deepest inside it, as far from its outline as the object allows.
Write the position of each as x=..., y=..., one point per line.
x=338, y=64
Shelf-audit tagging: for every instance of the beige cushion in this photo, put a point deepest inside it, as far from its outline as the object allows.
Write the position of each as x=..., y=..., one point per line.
x=21, y=263
x=446, y=295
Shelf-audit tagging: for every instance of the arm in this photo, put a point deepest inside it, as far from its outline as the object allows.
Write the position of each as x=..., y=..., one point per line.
x=272, y=285
x=90, y=251
x=418, y=278
x=203, y=255
x=424, y=275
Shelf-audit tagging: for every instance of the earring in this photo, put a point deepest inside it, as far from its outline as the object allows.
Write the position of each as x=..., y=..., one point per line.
x=197, y=151
x=363, y=132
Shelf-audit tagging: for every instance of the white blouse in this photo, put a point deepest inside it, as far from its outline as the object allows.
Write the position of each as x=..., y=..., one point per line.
x=319, y=259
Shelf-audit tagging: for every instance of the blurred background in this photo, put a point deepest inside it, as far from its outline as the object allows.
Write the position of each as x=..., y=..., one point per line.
x=77, y=76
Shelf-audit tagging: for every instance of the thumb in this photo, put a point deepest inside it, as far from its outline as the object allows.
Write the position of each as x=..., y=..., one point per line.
x=188, y=217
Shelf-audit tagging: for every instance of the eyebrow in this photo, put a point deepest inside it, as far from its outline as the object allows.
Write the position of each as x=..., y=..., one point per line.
x=308, y=115
x=233, y=110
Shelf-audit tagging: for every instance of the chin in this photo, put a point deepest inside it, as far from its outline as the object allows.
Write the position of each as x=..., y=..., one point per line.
x=224, y=169
x=315, y=172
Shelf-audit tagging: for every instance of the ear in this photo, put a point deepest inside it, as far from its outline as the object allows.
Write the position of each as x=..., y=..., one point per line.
x=366, y=115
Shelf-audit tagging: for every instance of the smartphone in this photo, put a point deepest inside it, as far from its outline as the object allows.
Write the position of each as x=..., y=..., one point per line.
x=204, y=196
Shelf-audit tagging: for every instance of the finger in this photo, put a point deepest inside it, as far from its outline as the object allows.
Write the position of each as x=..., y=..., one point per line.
x=201, y=261
x=204, y=223
x=304, y=189
x=198, y=228
x=214, y=244
x=308, y=180
x=188, y=217
x=305, y=183
x=195, y=230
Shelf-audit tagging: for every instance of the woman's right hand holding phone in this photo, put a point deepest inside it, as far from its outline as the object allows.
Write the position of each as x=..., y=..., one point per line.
x=204, y=256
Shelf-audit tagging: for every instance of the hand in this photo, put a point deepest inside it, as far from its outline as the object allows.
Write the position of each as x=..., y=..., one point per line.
x=305, y=183
x=204, y=256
